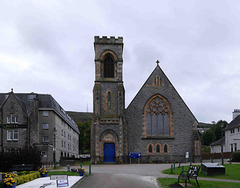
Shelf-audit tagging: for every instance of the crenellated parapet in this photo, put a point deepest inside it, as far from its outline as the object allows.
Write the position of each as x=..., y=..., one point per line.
x=106, y=40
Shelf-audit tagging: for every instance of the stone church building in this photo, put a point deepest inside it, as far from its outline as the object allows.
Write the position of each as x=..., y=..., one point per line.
x=157, y=123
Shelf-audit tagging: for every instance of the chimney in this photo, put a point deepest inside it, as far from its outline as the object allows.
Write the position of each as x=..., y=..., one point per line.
x=236, y=112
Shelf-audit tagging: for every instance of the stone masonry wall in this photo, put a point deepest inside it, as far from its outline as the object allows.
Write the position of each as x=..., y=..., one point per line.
x=182, y=121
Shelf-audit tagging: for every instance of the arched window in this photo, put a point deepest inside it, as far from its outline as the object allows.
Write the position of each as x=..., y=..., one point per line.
x=150, y=148
x=108, y=67
x=158, y=148
x=165, y=148
x=109, y=100
x=158, y=117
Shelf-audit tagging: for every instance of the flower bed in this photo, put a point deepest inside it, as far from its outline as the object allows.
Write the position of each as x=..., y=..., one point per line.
x=9, y=180
x=43, y=172
x=81, y=171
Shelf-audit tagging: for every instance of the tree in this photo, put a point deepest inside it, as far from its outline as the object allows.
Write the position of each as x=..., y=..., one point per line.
x=208, y=137
x=84, y=138
x=214, y=133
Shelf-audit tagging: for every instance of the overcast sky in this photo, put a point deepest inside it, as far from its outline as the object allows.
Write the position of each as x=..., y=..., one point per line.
x=46, y=46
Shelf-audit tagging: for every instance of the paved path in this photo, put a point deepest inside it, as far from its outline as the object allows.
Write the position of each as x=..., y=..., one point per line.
x=46, y=182
x=114, y=176
x=137, y=169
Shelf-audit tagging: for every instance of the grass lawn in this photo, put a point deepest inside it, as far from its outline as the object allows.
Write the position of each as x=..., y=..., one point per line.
x=62, y=173
x=206, y=184
x=83, y=163
x=232, y=171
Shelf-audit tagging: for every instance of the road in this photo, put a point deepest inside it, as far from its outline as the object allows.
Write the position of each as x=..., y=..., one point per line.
x=118, y=181
x=123, y=176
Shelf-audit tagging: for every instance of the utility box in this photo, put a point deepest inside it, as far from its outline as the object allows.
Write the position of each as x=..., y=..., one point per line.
x=212, y=169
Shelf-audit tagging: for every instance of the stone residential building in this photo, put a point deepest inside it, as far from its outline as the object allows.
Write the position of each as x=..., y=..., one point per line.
x=31, y=119
x=157, y=123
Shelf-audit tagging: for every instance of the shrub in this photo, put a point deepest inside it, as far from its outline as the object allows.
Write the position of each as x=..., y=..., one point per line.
x=23, y=156
x=26, y=178
x=236, y=156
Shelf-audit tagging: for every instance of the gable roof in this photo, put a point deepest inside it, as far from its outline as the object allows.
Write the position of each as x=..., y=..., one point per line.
x=45, y=101
x=19, y=101
x=166, y=82
x=234, y=123
x=219, y=142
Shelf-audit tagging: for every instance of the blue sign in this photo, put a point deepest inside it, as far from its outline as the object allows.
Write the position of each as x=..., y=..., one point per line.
x=134, y=155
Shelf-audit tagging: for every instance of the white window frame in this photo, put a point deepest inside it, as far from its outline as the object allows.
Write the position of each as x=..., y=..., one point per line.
x=8, y=119
x=9, y=134
x=16, y=119
x=45, y=113
x=45, y=126
x=45, y=139
x=12, y=134
x=15, y=134
x=12, y=119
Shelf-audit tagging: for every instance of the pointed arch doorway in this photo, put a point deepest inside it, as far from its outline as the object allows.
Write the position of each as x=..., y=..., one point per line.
x=109, y=152
x=109, y=141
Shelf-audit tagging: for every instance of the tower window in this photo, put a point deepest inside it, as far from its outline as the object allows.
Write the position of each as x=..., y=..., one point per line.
x=108, y=67
x=109, y=100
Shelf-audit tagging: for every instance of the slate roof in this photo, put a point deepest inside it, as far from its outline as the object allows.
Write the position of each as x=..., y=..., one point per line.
x=219, y=142
x=45, y=101
x=234, y=123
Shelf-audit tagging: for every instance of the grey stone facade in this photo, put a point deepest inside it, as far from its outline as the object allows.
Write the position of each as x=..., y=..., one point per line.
x=183, y=123
x=129, y=129
x=108, y=99
x=32, y=119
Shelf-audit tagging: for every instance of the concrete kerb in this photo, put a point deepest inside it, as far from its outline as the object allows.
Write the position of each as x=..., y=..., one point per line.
x=76, y=185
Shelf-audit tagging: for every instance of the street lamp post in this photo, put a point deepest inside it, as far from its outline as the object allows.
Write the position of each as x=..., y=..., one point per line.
x=54, y=147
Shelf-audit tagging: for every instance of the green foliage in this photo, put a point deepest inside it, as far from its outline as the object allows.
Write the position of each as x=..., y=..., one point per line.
x=232, y=171
x=208, y=137
x=206, y=149
x=27, y=177
x=236, y=156
x=23, y=156
x=62, y=173
x=165, y=182
x=214, y=133
x=84, y=139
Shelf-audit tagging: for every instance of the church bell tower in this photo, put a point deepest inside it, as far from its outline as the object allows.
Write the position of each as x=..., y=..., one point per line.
x=108, y=143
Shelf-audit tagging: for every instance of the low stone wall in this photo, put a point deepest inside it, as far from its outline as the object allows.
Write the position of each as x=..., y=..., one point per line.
x=226, y=155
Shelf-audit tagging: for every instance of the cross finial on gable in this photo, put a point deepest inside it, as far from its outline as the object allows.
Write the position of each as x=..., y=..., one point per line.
x=157, y=62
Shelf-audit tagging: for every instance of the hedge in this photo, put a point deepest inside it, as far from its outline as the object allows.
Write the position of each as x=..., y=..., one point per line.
x=26, y=178
x=236, y=156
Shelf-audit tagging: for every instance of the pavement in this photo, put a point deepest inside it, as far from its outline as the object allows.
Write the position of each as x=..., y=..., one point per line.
x=46, y=182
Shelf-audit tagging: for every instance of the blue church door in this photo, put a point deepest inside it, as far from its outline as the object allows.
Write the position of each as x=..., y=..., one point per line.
x=109, y=152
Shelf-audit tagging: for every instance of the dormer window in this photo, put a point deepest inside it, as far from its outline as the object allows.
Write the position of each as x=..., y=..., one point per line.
x=31, y=97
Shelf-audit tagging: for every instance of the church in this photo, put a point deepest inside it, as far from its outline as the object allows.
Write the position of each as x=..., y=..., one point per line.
x=157, y=125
